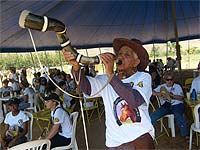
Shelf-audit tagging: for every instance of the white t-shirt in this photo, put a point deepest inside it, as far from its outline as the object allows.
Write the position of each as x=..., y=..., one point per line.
x=61, y=117
x=18, y=120
x=29, y=92
x=67, y=100
x=175, y=89
x=196, y=84
x=114, y=110
x=6, y=90
x=14, y=85
x=42, y=89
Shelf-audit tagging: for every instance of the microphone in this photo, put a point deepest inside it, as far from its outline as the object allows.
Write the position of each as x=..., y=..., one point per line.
x=43, y=23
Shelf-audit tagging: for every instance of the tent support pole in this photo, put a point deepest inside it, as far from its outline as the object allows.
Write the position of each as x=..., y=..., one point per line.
x=178, y=54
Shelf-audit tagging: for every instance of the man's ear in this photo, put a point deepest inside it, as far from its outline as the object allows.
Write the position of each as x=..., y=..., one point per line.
x=136, y=62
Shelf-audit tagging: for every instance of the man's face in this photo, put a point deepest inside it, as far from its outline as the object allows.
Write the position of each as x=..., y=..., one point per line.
x=128, y=57
x=169, y=81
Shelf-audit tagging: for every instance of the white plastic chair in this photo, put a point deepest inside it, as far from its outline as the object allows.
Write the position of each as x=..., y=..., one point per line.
x=33, y=145
x=32, y=103
x=170, y=118
x=196, y=125
x=73, y=145
x=30, y=128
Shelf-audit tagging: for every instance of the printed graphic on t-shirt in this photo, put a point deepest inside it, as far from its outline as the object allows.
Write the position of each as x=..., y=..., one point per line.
x=140, y=84
x=20, y=121
x=56, y=120
x=123, y=113
x=6, y=93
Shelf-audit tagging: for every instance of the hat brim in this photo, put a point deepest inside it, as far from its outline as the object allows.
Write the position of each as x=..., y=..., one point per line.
x=50, y=98
x=137, y=48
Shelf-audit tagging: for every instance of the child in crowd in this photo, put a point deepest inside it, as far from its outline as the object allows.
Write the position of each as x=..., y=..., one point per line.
x=16, y=125
x=6, y=90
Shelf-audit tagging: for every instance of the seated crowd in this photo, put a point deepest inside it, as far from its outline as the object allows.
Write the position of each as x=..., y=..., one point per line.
x=41, y=93
x=17, y=87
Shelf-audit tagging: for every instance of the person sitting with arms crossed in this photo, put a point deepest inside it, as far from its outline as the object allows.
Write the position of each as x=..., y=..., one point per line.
x=126, y=94
x=61, y=131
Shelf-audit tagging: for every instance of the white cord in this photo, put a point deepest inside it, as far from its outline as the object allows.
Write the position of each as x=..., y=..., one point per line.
x=81, y=105
x=78, y=81
x=45, y=69
x=84, y=126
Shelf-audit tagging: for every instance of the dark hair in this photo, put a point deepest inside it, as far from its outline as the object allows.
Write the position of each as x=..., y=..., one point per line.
x=5, y=81
x=14, y=101
x=25, y=83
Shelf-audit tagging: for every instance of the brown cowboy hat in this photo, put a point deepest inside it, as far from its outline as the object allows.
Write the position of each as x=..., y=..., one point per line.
x=137, y=47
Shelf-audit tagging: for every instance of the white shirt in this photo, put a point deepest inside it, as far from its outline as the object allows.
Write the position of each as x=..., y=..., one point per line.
x=17, y=120
x=67, y=100
x=129, y=130
x=29, y=91
x=175, y=89
x=196, y=84
x=14, y=85
x=61, y=117
x=6, y=90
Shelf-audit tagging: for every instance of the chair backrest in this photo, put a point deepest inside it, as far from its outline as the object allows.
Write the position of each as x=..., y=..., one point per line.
x=30, y=128
x=159, y=101
x=73, y=144
x=31, y=99
x=33, y=145
x=196, y=115
x=74, y=117
x=188, y=81
x=154, y=105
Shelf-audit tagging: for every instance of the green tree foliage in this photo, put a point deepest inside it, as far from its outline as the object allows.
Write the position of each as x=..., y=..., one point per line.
x=193, y=50
x=155, y=51
x=172, y=48
x=20, y=60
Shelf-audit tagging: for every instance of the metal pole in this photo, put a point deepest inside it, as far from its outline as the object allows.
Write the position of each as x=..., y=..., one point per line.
x=178, y=54
x=154, y=53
